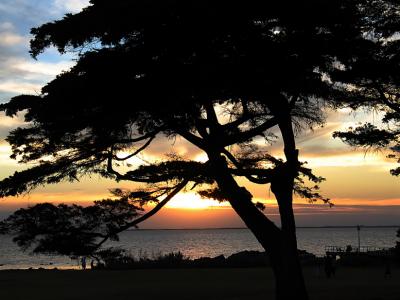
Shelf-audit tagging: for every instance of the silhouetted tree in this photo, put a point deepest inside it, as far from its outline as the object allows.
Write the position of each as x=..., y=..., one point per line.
x=70, y=230
x=375, y=79
x=221, y=75
x=373, y=82
x=384, y=137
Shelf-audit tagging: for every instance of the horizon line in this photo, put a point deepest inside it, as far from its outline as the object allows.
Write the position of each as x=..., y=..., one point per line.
x=297, y=227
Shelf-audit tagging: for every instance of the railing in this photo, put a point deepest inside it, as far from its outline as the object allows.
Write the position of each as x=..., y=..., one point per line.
x=353, y=249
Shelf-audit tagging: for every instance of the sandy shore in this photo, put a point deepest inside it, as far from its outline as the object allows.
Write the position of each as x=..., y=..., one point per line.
x=192, y=284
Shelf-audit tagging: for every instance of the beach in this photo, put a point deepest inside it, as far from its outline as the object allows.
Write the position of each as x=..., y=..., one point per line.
x=228, y=283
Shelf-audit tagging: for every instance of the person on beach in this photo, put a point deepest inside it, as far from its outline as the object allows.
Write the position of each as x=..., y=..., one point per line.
x=333, y=265
x=83, y=262
x=388, y=269
x=92, y=264
x=328, y=266
x=318, y=269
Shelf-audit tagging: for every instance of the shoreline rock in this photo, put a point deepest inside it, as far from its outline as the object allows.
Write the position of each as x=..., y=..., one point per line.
x=242, y=259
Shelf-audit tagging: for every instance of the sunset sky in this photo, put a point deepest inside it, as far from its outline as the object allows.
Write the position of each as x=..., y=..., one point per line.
x=358, y=183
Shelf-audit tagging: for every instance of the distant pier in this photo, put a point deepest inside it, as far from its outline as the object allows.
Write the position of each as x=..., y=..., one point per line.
x=352, y=250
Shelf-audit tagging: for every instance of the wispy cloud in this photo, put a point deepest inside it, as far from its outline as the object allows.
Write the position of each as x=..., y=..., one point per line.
x=38, y=68
x=72, y=6
x=16, y=87
x=19, y=73
x=12, y=39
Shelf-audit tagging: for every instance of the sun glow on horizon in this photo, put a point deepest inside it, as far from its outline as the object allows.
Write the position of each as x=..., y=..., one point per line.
x=194, y=201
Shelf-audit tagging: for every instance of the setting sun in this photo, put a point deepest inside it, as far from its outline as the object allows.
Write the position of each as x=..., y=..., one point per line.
x=193, y=201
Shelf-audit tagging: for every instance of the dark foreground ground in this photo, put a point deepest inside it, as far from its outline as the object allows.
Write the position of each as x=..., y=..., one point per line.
x=192, y=284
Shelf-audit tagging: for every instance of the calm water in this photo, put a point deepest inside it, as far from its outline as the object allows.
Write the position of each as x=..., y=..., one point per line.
x=198, y=243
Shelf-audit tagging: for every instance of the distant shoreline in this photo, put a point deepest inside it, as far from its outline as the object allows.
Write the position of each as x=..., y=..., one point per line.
x=298, y=227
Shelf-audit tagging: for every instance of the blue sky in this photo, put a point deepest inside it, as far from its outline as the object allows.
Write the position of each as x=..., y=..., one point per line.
x=19, y=73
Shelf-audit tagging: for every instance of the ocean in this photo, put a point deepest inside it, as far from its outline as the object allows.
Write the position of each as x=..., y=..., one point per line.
x=196, y=243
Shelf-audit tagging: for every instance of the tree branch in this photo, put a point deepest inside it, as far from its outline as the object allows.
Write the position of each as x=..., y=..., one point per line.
x=137, y=151
x=150, y=213
x=246, y=135
x=245, y=116
x=141, y=138
x=391, y=105
x=247, y=172
x=159, y=205
x=192, y=138
x=211, y=115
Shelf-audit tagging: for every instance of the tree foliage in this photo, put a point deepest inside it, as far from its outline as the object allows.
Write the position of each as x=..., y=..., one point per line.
x=70, y=230
x=246, y=59
x=256, y=61
x=370, y=136
x=373, y=82
x=74, y=230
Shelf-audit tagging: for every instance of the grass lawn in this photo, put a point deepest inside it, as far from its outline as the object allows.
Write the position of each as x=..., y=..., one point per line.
x=191, y=284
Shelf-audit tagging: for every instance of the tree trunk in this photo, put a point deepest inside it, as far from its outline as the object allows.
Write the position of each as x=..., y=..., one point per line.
x=282, y=187
x=280, y=244
x=287, y=270
x=286, y=253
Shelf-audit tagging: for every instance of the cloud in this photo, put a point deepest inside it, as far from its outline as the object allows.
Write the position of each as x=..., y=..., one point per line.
x=33, y=13
x=320, y=149
x=347, y=158
x=8, y=123
x=42, y=68
x=19, y=73
x=12, y=39
x=72, y=6
x=13, y=49
x=7, y=165
x=19, y=87
x=6, y=26
x=26, y=13
x=22, y=75
x=5, y=152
